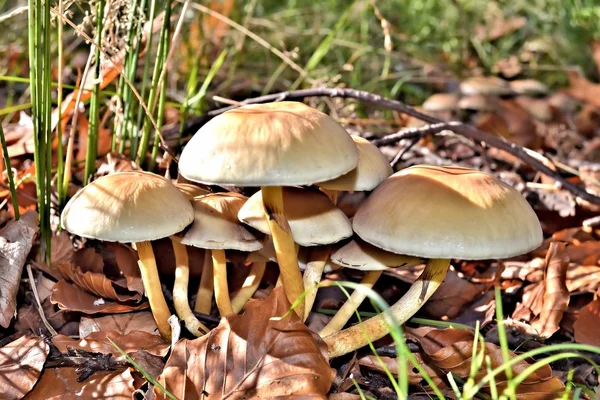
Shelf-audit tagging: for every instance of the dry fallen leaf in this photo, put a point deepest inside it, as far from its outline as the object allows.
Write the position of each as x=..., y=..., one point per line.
x=121, y=323
x=71, y=297
x=97, y=284
x=21, y=364
x=414, y=376
x=556, y=294
x=451, y=351
x=251, y=356
x=61, y=384
x=16, y=239
x=97, y=342
x=586, y=326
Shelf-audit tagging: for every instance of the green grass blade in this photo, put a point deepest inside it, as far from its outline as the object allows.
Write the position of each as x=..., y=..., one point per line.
x=11, y=181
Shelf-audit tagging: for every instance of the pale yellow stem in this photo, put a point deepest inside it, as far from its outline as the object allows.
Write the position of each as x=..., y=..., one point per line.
x=205, y=290
x=285, y=248
x=375, y=328
x=249, y=287
x=312, y=276
x=180, y=291
x=151, y=279
x=346, y=312
x=220, y=282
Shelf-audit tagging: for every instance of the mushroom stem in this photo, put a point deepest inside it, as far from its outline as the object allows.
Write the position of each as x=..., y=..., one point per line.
x=375, y=328
x=220, y=282
x=312, y=276
x=285, y=248
x=205, y=290
x=158, y=304
x=180, y=291
x=346, y=312
x=249, y=287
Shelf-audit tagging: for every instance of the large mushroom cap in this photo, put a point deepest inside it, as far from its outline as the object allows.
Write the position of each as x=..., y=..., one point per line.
x=371, y=170
x=486, y=86
x=275, y=144
x=478, y=103
x=448, y=212
x=529, y=87
x=358, y=254
x=441, y=102
x=313, y=218
x=216, y=225
x=127, y=207
x=190, y=191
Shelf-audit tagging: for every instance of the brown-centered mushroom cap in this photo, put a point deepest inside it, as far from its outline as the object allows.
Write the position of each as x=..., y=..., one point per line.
x=485, y=86
x=448, y=212
x=478, y=103
x=358, y=254
x=275, y=144
x=127, y=207
x=216, y=225
x=441, y=102
x=371, y=170
x=314, y=220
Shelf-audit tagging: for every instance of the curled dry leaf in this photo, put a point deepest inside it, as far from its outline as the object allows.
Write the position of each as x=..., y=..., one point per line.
x=121, y=323
x=414, y=376
x=70, y=297
x=97, y=342
x=556, y=295
x=252, y=355
x=451, y=350
x=62, y=384
x=21, y=364
x=586, y=326
x=16, y=239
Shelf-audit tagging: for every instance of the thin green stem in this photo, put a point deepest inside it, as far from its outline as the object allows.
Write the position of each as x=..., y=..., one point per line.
x=11, y=181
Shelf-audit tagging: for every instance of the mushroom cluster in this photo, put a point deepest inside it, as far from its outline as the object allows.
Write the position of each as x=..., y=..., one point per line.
x=300, y=159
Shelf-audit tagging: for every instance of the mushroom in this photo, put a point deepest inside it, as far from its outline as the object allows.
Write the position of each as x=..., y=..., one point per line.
x=438, y=213
x=478, y=102
x=190, y=191
x=363, y=256
x=441, y=105
x=217, y=228
x=270, y=146
x=485, y=86
x=133, y=207
x=529, y=87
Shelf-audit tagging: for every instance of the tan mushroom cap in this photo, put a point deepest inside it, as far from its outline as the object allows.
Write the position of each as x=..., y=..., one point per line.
x=371, y=170
x=478, y=103
x=275, y=144
x=313, y=218
x=358, y=254
x=448, y=212
x=190, y=191
x=127, y=207
x=529, y=87
x=441, y=102
x=538, y=108
x=216, y=225
x=486, y=86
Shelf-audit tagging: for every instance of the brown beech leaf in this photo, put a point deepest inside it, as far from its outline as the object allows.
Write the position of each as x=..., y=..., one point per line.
x=414, y=376
x=583, y=278
x=97, y=342
x=62, y=249
x=582, y=89
x=21, y=364
x=70, y=297
x=531, y=304
x=586, y=326
x=451, y=350
x=556, y=295
x=126, y=260
x=89, y=260
x=61, y=384
x=16, y=239
x=121, y=323
x=251, y=356
x=96, y=283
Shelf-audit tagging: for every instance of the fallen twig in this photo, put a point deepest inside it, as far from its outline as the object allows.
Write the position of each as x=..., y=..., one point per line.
x=538, y=161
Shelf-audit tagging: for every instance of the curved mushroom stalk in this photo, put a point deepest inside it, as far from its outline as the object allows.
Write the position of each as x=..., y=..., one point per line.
x=249, y=287
x=285, y=248
x=151, y=279
x=180, y=291
x=206, y=287
x=375, y=328
x=346, y=312
x=312, y=276
x=220, y=282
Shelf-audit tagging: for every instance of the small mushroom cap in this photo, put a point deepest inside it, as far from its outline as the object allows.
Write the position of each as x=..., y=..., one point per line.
x=448, y=212
x=216, y=225
x=275, y=144
x=358, y=254
x=485, y=86
x=127, y=207
x=477, y=103
x=529, y=87
x=313, y=218
x=190, y=191
x=441, y=102
x=371, y=170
